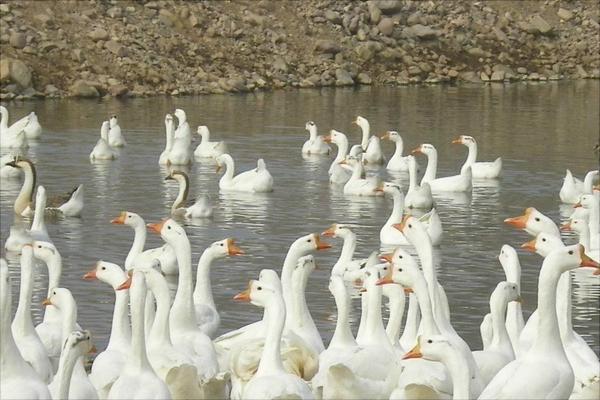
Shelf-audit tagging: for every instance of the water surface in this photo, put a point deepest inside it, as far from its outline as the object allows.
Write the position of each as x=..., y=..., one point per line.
x=538, y=129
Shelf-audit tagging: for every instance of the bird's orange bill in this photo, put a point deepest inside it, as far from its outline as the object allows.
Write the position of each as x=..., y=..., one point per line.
x=93, y=350
x=327, y=139
x=46, y=302
x=321, y=245
x=414, y=353
x=418, y=150
x=90, y=275
x=566, y=227
x=577, y=205
x=156, y=227
x=458, y=140
x=330, y=232
x=379, y=188
x=126, y=284
x=408, y=290
x=233, y=249
x=386, y=279
x=245, y=295
x=529, y=246
x=402, y=224
x=385, y=136
x=386, y=257
x=586, y=261
x=120, y=220
x=519, y=222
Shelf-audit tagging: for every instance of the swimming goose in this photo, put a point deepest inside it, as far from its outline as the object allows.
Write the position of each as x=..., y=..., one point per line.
x=271, y=380
x=69, y=205
x=108, y=364
x=207, y=315
x=337, y=173
x=582, y=229
x=102, y=150
x=13, y=136
x=26, y=338
x=398, y=162
x=256, y=180
x=315, y=143
x=357, y=185
x=33, y=130
x=206, y=148
x=81, y=387
x=137, y=254
x=500, y=351
x=418, y=196
x=521, y=377
x=18, y=237
x=180, y=152
x=346, y=266
x=164, y=156
x=482, y=170
x=137, y=379
x=371, y=145
x=572, y=188
x=200, y=208
x=18, y=380
x=456, y=183
x=115, y=138
x=438, y=348
x=183, y=127
x=77, y=344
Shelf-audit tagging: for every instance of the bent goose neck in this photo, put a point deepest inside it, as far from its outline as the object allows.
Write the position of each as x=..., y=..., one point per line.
x=270, y=361
x=342, y=144
x=137, y=247
x=471, y=157
x=182, y=195
x=397, y=208
x=229, y=167
x=203, y=290
x=498, y=306
x=25, y=197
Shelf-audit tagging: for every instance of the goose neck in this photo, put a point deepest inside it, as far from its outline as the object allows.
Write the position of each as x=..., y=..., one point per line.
x=183, y=314
x=170, y=133
x=342, y=143
x=375, y=331
x=120, y=332
x=160, y=330
x=203, y=290
x=366, y=133
x=25, y=197
x=138, y=357
x=182, y=194
x=271, y=358
x=137, y=247
x=427, y=319
x=69, y=319
x=397, y=208
x=471, y=157
x=431, y=170
x=412, y=319
x=364, y=311
x=563, y=304
x=229, y=167
x=412, y=176
x=22, y=323
x=66, y=365
x=54, y=265
x=39, y=224
x=549, y=338
x=348, y=247
x=342, y=336
x=399, y=148
x=313, y=132
x=394, y=324
x=498, y=306
x=460, y=372
x=287, y=271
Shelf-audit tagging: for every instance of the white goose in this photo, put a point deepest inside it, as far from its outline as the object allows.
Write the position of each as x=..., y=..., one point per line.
x=115, y=137
x=200, y=208
x=137, y=379
x=582, y=229
x=521, y=377
x=255, y=180
x=371, y=145
x=33, y=130
x=358, y=185
x=337, y=173
x=206, y=310
x=69, y=205
x=170, y=132
x=500, y=351
x=18, y=237
x=77, y=345
x=108, y=364
x=591, y=203
x=534, y=222
x=180, y=152
x=206, y=148
x=26, y=338
x=18, y=380
x=346, y=266
x=456, y=183
x=396, y=295
x=572, y=188
x=271, y=380
x=418, y=196
x=481, y=169
x=398, y=162
x=80, y=387
x=164, y=254
x=13, y=136
x=315, y=143
x=102, y=150
x=183, y=127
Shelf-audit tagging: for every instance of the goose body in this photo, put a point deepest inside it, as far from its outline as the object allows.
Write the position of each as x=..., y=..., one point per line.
x=397, y=162
x=256, y=180
x=206, y=148
x=102, y=150
x=180, y=152
x=479, y=169
x=337, y=173
x=418, y=196
x=357, y=185
x=18, y=380
x=572, y=188
x=33, y=130
x=456, y=183
x=115, y=137
x=18, y=237
x=77, y=344
x=170, y=132
x=371, y=145
x=12, y=136
x=201, y=208
x=315, y=143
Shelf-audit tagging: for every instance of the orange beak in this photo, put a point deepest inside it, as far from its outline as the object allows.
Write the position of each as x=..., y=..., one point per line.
x=586, y=261
x=577, y=205
x=46, y=302
x=529, y=246
x=321, y=245
x=90, y=275
x=93, y=350
x=330, y=232
x=120, y=220
x=362, y=290
x=386, y=279
x=343, y=161
x=402, y=224
x=234, y=250
x=385, y=136
x=417, y=151
x=566, y=227
x=414, y=353
x=327, y=139
x=245, y=295
x=378, y=189
x=519, y=222
x=458, y=140
x=156, y=227
x=386, y=257
x=408, y=290
x=218, y=168
x=126, y=284
x=355, y=122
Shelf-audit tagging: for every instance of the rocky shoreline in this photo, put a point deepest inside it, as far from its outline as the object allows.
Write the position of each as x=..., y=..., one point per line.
x=144, y=48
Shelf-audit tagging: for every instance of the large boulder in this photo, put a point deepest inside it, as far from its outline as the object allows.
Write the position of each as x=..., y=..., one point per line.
x=389, y=7
x=327, y=46
x=541, y=25
x=15, y=71
x=82, y=88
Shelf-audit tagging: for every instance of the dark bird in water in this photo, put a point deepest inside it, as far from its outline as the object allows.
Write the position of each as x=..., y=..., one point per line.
x=597, y=148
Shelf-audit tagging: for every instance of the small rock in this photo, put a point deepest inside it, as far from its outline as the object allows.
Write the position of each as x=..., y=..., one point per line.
x=470, y=76
x=114, y=12
x=564, y=14
x=116, y=48
x=374, y=12
x=414, y=70
x=51, y=89
x=522, y=70
x=484, y=77
x=343, y=78
x=497, y=76
x=389, y=7
x=327, y=47
x=364, y=79
x=420, y=31
x=118, y=90
x=453, y=73
x=98, y=34
x=280, y=65
x=4, y=8
x=541, y=25
x=17, y=40
x=152, y=5
x=82, y=89
x=333, y=17
x=581, y=72
x=167, y=17
x=386, y=26
x=534, y=76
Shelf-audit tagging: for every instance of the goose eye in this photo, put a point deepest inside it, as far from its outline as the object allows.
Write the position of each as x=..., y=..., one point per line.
x=385, y=268
x=430, y=341
x=537, y=219
x=168, y=227
x=54, y=292
x=129, y=216
x=221, y=244
x=409, y=225
x=103, y=268
x=259, y=288
x=571, y=252
x=399, y=269
x=543, y=239
x=400, y=257
x=309, y=240
x=39, y=246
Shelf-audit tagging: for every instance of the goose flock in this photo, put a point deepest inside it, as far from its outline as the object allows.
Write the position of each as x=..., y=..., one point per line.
x=167, y=347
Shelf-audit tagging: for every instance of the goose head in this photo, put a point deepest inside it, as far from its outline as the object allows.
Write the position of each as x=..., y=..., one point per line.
x=533, y=222
x=585, y=200
x=45, y=251
x=309, y=243
x=392, y=136
x=306, y=264
x=426, y=148
x=431, y=347
x=271, y=278
x=60, y=298
x=203, y=130
x=403, y=271
x=180, y=114
x=465, y=140
x=106, y=272
x=113, y=120
x=261, y=165
x=337, y=230
x=362, y=122
x=80, y=342
x=543, y=244
x=310, y=125
x=574, y=225
x=168, y=120
x=509, y=290
x=413, y=229
x=169, y=230
x=258, y=293
x=178, y=176
x=223, y=248
x=335, y=137
x=128, y=218
x=104, y=128
x=570, y=257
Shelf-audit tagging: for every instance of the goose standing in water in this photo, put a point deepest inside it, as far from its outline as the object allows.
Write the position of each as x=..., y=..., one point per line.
x=371, y=145
x=180, y=152
x=69, y=205
x=102, y=150
x=201, y=207
x=206, y=148
x=315, y=143
x=115, y=137
x=417, y=196
x=12, y=136
x=482, y=170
